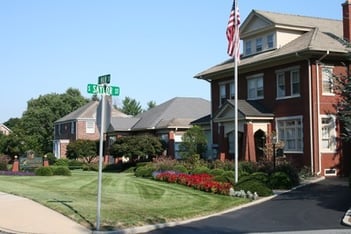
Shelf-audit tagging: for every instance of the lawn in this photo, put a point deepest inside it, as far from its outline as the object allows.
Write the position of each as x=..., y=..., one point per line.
x=126, y=201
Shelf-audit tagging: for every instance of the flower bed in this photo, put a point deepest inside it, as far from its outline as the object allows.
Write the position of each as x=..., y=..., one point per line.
x=203, y=182
x=18, y=173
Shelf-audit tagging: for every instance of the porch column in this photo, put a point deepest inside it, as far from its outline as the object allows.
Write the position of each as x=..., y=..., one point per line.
x=249, y=143
x=170, y=150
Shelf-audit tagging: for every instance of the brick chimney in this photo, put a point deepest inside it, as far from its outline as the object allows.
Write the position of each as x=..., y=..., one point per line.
x=346, y=18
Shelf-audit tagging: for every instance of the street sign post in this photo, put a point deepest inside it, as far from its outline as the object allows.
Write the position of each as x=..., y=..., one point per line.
x=103, y=88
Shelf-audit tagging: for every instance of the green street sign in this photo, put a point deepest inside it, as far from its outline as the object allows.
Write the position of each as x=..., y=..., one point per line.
x=112, y=90
x=105, y=79
x=93, y=88
x=103, y=89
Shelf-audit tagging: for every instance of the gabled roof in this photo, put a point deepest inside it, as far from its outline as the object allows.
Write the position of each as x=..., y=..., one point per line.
x=312, y=42
x=179, y=111
x=88, y=111
x=246, y=110
x=297, y=22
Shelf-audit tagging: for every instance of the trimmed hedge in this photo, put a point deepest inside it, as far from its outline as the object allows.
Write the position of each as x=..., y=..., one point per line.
x=63, y=171
x=254, y=185
x=44, y=171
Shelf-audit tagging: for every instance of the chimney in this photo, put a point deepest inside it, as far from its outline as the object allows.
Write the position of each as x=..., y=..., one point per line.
x=346, y=19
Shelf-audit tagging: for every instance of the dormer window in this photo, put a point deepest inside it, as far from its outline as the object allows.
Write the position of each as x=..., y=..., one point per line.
x=270, y=41
x=259, y=44
x=248, y=47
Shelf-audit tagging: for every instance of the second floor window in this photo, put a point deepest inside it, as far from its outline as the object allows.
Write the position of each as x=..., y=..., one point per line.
x=255, y=87
x=288, y=82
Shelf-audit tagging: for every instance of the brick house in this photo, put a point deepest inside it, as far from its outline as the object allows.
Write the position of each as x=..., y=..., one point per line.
x=168, y=121
x=79, y=124
x=285, y=88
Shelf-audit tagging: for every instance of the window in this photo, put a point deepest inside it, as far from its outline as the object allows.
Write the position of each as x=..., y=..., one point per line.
x=288, y=82
x=295, y=82
x=222, y=93
x=327, y=80
x=255, y=87
x=290, y=131
x=270, y=42
x=259, y=44
x=328, y=133
x=248, y=49
x=73, y=127
x=90, y=126
x=280, y=84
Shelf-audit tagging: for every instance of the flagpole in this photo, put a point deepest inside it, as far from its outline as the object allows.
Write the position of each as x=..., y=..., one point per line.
x=236, y=52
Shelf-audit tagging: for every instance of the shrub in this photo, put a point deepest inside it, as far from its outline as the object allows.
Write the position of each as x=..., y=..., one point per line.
x=229, y=176
x=75, y=164
x=291, y=171
x=220, y=178
x=180, y=168
x=64, y=171
x=217, y=172
x=44, y=171
x=3, y=163
x=145, y=171
x=254, y=185
x=51, y=158
x=260, y=176
x=61, y=162
x=201, y=170
x=90, y=167
x=247, y=167
x=280, y=180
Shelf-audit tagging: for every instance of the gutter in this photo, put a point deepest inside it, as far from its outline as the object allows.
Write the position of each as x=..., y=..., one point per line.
x=318, y=62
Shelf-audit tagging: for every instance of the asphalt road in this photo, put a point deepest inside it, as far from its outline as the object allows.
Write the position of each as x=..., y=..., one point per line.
x=315, y=208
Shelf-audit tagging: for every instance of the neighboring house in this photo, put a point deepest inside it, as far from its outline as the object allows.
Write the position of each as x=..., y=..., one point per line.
x=285, y=87
x=4, y=130
x=168, y=121
x=79, y=124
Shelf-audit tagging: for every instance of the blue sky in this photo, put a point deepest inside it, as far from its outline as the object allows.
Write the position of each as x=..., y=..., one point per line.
x=152, y=49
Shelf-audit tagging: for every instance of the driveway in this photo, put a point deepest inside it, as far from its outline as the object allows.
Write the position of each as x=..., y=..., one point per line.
x=315, y=208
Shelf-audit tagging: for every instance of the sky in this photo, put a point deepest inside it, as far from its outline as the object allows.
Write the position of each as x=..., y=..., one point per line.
x=151, y=49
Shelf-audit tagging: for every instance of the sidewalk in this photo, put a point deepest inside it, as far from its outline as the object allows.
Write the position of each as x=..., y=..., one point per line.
x=21, y=215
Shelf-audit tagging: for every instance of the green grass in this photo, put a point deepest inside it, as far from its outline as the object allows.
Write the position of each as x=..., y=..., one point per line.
x=126, y=201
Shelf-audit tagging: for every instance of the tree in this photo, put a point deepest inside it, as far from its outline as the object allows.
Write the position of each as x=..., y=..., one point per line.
x=131, y=106
x=37, y=121
x=151, y=104
x=82, y=149
x=193, y=142
x=342, y=87
x=137, y=147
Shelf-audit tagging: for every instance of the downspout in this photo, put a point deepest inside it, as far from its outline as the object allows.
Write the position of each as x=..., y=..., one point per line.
x=311, y=114
x=318, y=62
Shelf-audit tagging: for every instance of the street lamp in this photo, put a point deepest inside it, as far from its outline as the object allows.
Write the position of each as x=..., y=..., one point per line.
x=274, y=142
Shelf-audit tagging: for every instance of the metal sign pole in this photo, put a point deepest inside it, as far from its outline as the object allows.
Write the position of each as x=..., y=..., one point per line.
x=101, y=150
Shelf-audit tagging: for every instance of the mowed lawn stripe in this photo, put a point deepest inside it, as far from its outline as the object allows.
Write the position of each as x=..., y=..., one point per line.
x=127, y=201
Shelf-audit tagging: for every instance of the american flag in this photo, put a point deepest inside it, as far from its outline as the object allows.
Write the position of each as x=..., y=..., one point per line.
x=233, y=33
